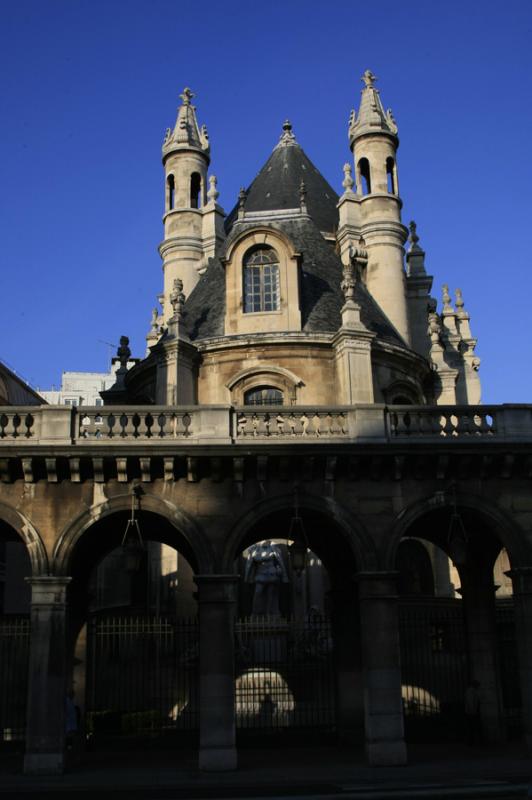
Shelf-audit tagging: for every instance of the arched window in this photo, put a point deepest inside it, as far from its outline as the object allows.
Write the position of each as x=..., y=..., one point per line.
x=261, y=280
x=390, y=175
x=365, y=176
x=195, y=190
x=263, y=396
x=170, y=182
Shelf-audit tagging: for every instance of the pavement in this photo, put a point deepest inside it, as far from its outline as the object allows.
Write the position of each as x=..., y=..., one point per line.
x=438, y=772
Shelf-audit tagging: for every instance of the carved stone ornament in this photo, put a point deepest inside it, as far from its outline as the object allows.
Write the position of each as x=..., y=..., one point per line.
x=348, y=181
x=123, y=352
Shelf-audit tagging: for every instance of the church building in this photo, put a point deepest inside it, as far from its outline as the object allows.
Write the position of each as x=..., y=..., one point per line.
x=292, y=520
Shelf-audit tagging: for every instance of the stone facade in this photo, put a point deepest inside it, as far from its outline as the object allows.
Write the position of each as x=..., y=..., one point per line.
x=297, y=372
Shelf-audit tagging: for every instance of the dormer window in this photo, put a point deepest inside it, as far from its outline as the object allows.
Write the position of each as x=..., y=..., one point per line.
x=261, y=280
x=263, y=396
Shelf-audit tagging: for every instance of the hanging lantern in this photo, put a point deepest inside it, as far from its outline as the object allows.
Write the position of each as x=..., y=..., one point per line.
x=133, y=547
x=297, y=551
x=457, y=537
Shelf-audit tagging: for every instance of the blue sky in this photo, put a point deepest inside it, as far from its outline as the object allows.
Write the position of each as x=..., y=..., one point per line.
x=89, y=86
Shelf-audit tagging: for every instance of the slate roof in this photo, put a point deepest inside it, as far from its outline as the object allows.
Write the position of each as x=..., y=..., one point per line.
x=277, y=185
x=321, y=296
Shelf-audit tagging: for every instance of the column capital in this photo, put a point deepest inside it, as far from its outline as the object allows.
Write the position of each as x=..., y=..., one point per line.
x=377, y=585
x=48, y=590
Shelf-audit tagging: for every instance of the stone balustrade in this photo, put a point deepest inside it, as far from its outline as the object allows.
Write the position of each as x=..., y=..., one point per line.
x=27, y=426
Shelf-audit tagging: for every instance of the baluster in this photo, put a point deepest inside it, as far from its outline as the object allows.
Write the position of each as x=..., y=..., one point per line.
x=3, y=425
x=161, y=422
x=316, y=424
x=448, y=426
x=342, y=423
x=111, y=422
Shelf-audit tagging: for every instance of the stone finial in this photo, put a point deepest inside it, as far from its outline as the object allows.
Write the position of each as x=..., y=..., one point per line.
x=177, y=299
x=434, y=330
x=369, y=79
x=154, y=324
x=348, y=181
x=446, y=298
x=349, y=282
x=213, y=194
x=413, y=238
x=204, y=137
x=303, y=196
x=242, y=195
x=123, y=352
x=186, y=96
x=287, y=136
x=459, y=302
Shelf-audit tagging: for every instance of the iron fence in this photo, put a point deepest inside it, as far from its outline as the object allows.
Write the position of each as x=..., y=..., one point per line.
x=142, y=677
x=433, y=665
x=508, y=667
x=14, y=655
x=285, y=676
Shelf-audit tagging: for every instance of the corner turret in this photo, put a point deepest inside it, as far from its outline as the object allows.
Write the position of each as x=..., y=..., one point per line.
x=193, y=222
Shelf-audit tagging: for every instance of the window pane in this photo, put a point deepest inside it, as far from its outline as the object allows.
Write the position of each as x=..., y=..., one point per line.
x=263, y=396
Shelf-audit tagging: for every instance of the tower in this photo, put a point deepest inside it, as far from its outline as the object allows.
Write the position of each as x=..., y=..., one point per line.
x=374, y=142
x=193, y=222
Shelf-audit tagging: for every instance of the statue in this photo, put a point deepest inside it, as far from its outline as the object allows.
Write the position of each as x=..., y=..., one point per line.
x=265, y=568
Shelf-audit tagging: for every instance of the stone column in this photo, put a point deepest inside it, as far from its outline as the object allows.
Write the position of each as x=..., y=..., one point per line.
x=45, y=716
x=217, y=604
x=381, y=668
x=522, y=586
x=478, y=593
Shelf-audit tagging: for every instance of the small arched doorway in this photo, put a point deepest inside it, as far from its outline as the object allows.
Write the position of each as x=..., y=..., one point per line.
x=297, y=656
x=133, y=633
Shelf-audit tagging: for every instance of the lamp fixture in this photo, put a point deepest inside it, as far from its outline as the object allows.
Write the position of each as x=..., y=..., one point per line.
x=133, y=546
x=297, y=551
x=457, y=538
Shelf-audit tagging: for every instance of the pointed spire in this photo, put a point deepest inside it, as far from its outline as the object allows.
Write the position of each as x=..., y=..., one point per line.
x=186, y=134
x=287, y=137
x=371, y=116
x=415, y=256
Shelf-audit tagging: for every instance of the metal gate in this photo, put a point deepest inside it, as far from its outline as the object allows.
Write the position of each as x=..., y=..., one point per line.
x=142, y=676
x=433, y=667
x=14, y=655
x=285, y=675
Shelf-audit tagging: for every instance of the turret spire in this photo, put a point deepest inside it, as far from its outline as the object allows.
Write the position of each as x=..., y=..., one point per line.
x=186, y=133
x=371, y=116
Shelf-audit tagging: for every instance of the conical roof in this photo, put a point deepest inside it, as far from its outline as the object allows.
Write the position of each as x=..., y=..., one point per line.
x=371, y=115
x=278, y=187
x=186, y=134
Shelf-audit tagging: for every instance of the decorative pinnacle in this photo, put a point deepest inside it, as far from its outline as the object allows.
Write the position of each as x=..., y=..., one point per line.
x=177, y=298
x=303, y=195
x=348, y=181
x=154, y=325
x=459, y=300
x=446, y=297
x=242, y=197
x=123, y=352
x=187, y=96
x=213, y=194
x=413, y=237
x=369, y=79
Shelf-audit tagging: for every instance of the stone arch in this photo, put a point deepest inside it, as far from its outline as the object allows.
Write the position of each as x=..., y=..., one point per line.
x=356, y=537
x=182, y=522
x=508, y=531
x=29, y=535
